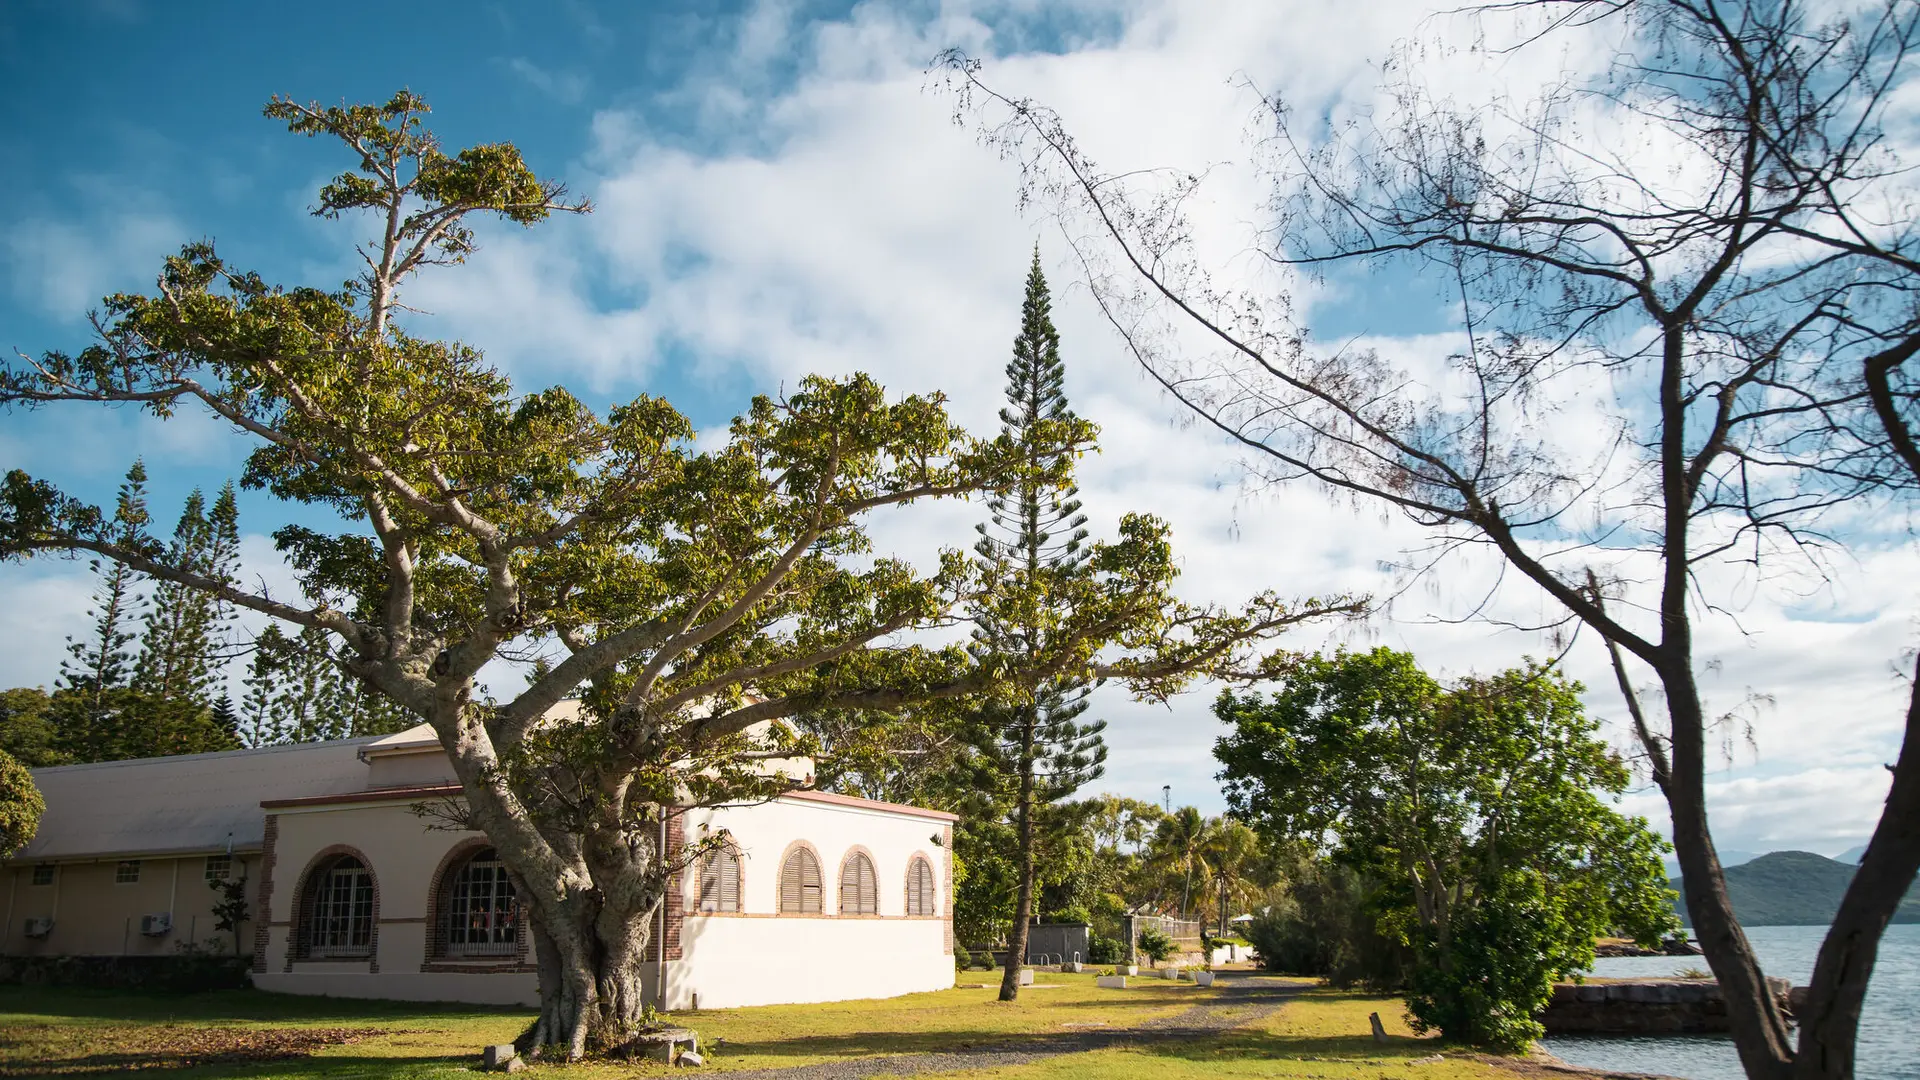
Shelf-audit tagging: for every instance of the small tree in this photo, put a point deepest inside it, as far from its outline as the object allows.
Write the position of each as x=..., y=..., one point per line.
x=231, y=909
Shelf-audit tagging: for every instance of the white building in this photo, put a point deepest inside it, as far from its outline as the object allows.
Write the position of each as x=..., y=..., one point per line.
x=821, y=897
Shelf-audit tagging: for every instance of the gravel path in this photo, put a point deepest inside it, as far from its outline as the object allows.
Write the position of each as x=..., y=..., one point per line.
x=1242, y=1000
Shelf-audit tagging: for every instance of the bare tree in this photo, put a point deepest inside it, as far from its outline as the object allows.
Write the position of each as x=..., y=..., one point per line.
x=1704, y=250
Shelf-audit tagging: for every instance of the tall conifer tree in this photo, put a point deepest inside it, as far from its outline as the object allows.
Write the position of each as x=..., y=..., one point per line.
x=185, y=649
x=1034, y=541
x=101, y=662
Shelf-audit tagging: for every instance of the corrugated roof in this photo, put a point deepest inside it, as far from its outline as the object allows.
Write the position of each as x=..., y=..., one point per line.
x=192, y=802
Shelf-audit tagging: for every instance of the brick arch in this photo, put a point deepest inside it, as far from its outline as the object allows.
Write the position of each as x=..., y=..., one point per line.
x=787, y=853
x=906, y=885
x=436, y=958
x=873, y=864
x=297, y=915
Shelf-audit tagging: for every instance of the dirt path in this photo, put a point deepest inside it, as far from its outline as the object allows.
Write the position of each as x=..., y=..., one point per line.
x=1241, y=1000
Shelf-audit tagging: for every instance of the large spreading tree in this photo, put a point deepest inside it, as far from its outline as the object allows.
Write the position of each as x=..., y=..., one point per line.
x=693, y=599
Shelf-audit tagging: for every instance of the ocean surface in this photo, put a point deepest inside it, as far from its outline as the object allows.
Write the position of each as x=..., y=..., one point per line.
x=1889, y=1044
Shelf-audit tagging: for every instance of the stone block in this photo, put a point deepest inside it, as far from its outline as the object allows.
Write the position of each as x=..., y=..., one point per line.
x=1026, y=976
x=1203, y=978
x=514, y=1065
x=1110, y=982
x=691, y=1060
x=497, y=1056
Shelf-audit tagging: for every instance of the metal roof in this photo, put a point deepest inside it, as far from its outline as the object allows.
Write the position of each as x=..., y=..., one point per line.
x=182, y=804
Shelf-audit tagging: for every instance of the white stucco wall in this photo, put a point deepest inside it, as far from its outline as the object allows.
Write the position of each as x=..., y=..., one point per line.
x=760, y=956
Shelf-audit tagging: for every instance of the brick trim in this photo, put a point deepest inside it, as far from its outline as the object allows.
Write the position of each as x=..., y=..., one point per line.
x=297, y=915
x=263, y=896
x=946, y=846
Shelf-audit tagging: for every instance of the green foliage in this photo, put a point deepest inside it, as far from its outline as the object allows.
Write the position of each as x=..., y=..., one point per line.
x=102, y=662
x=1074, y=915
x=1473, y=808
x=1104, y=950
x=1325, y=921
x=20, y=805
x=27, y=731
x=962, y=959
x=1154, y=942
x=184, y=643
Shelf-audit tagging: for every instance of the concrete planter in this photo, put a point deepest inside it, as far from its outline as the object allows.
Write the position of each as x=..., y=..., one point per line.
x=1073, y=967
x=1170, y=973
x=1110, y=982
x=1203, y=978
x=1128, y=969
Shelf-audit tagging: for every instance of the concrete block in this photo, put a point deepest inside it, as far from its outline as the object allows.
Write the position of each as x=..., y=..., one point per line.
x=497, y=1056
x=1170, y=972
x=1072, y=967
x=514, y=1065
x=691, y=1060
x=1203, y=978
x=1110, y=982
x=1026, y=976
x=1128, y=969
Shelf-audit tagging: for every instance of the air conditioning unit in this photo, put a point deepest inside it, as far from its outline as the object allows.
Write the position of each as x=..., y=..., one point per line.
x=38, y=928
x=156, y=924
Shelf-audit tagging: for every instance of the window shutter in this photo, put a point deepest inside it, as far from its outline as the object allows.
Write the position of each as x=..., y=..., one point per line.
x=729, y=881
x=920, y=888
x=809, y=883
x=859, y=891
x=869, y=888
x=799, y=884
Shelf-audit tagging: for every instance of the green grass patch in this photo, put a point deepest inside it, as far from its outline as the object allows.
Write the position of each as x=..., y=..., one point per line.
x=66, y=1031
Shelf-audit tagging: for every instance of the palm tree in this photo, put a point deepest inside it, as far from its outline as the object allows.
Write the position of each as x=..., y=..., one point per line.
x=1229, y=852
x=1179, y=848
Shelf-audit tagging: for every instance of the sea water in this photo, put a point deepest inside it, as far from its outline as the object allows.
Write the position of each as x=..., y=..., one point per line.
x=1889, y=1043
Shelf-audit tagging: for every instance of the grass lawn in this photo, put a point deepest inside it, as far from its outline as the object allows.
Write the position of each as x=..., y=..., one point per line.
x=62, y=1031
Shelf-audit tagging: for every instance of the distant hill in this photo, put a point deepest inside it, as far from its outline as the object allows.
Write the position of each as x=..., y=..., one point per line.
x=1728, y=857
x=1795, y=888
x=1852, y=855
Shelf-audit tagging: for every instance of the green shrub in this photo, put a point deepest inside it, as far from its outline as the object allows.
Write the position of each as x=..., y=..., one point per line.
x=1072, y=914
x=962, y=959
x=1104, y=950
x=1155, y=943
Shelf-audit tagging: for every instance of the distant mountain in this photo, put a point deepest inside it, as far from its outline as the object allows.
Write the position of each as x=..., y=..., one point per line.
x=1851, y=856
x=1795, y=888
x=1727, y=858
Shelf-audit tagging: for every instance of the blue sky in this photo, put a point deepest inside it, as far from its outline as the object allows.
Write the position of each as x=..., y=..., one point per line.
x=778, y=192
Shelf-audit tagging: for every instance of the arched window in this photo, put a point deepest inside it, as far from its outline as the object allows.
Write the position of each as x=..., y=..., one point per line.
x=720, y=880
x=481, y=916
x=338, y=920
x=859, y=892
x=920, y=899
x=800, y=884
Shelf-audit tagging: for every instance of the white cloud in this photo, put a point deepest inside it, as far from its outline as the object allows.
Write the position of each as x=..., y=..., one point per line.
x=562, y=86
